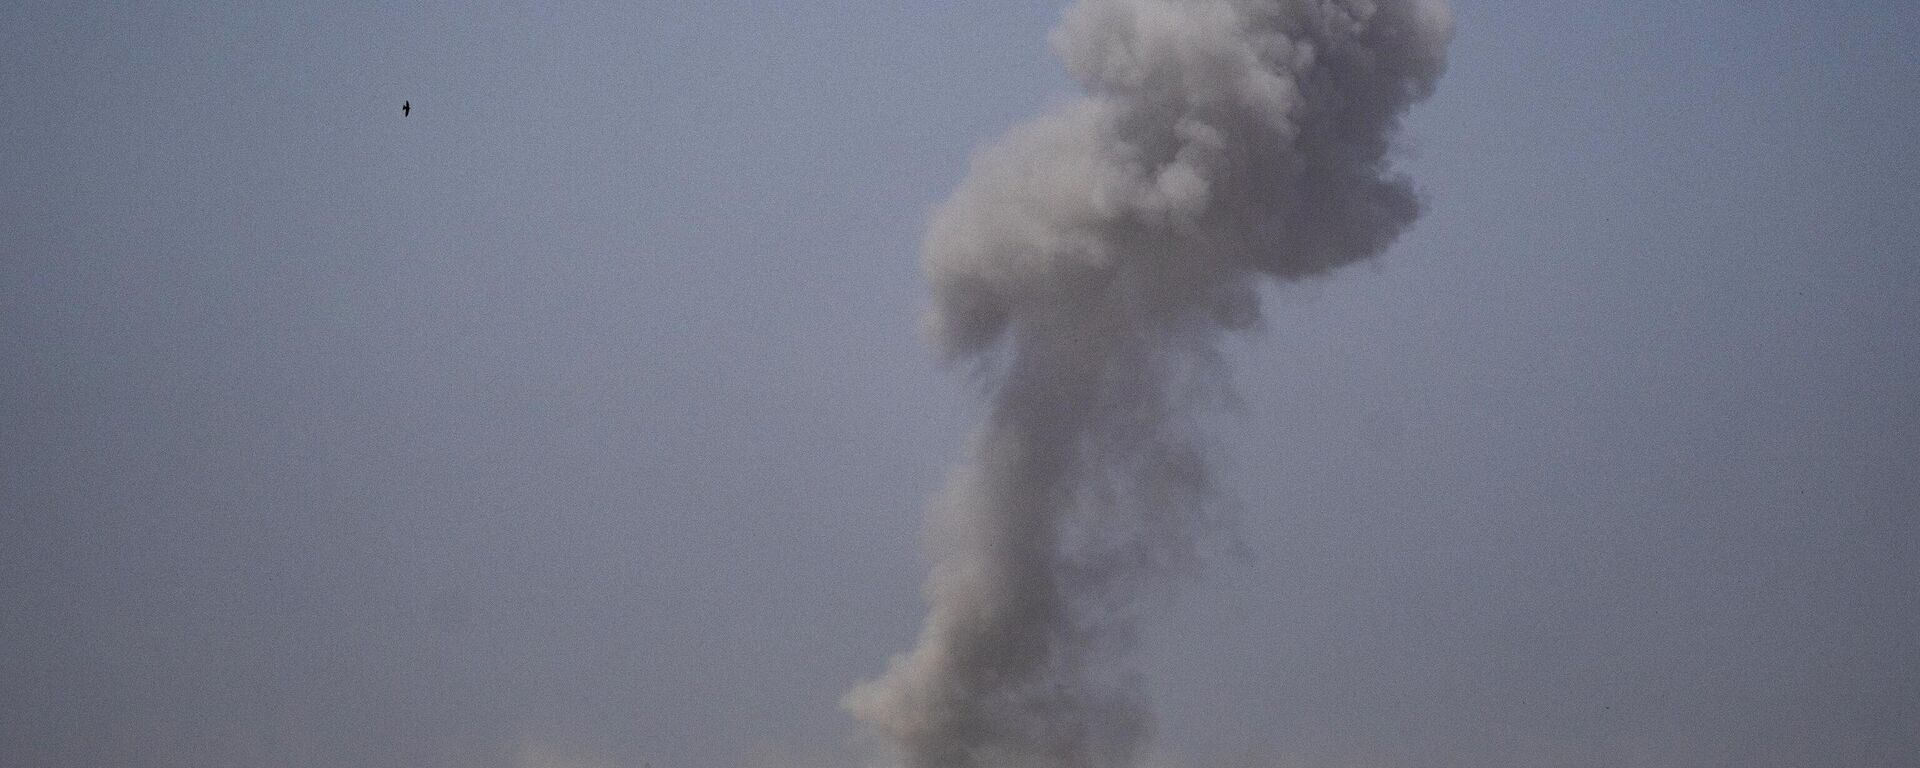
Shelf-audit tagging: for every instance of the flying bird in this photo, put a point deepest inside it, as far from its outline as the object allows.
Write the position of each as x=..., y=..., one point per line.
x=406, y=108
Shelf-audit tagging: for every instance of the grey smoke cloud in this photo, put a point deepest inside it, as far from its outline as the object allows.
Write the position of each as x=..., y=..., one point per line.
x=1087, y=266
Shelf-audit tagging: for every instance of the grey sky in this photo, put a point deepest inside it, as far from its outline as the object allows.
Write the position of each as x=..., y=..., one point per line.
x=580, y=418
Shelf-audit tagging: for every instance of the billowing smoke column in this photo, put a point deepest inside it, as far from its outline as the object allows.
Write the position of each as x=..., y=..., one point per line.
x=1087, y=267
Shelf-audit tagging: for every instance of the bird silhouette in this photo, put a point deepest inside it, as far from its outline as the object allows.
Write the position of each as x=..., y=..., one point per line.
x=406, y=108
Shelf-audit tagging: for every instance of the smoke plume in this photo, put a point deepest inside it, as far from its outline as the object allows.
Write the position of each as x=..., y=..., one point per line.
x=1087, y=267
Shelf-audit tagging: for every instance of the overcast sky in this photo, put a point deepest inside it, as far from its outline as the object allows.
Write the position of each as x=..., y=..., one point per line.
x=581, y=419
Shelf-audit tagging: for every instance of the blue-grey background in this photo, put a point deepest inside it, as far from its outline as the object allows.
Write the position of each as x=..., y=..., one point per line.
x=580, y=419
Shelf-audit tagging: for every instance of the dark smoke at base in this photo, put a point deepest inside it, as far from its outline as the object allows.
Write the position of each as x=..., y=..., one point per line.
x=1087, y=266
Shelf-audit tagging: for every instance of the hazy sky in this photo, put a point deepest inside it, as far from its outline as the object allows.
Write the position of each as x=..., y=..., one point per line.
x=581, y=418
